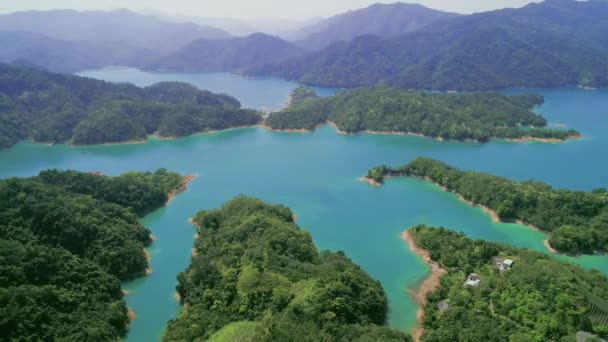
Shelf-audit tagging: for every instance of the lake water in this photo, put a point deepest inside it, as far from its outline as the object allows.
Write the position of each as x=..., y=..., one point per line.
x=315, y=174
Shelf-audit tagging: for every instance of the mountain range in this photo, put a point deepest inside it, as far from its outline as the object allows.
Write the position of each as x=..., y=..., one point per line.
x=382, y=20
x=120, y=26
x=227, y=54
x=554, y=43
x=549, y=44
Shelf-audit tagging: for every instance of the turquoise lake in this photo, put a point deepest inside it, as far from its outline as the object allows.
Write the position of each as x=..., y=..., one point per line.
x=315, y=174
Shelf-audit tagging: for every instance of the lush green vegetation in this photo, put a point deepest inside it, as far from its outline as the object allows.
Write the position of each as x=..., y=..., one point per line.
x=54, y=108
x=301, y=93
x=66, y=238
x=552, y=44
x=538, y=299
x=227, y=54
x=577, y=221
x=476, y=116
x=258, y=277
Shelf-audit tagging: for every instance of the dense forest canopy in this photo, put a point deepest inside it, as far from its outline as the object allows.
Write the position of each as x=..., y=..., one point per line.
x=228, y=54
x=552, y=44
x=47, y=107
x=382, y=20
x=455, y=116
x=538, y=298
x=66, y=240
x=256, y=275
x=576, y=221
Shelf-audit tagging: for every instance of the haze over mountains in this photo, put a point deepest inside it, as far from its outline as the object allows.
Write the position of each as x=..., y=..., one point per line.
x=228, y=54
x=383, y=20
x=120, y=26
x=554, y=43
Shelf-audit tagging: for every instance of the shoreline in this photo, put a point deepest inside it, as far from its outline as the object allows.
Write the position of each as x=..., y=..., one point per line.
x=493, y=215
x=543, y=140
x=420, y=135
x=160, y=137
x=185, y=181
x=370, y=182
x=430, y=283
x=288, y=130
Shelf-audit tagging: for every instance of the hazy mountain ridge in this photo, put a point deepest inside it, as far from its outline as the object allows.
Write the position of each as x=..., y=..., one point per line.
x=64, y=56
x=531, y=46
x=227, y=54
x=384, y=20
x=121, y=26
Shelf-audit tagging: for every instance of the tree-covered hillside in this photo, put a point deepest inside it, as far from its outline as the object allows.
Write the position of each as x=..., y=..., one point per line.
x=257, y=276
x=552, y=44
x=383, y=20
x=537, y=298
x=66, y=240
x=576, y=221
x=476, y=116
x=54, y=108
x=230, y=54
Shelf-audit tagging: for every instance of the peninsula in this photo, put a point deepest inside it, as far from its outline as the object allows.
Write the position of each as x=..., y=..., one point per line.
x=576, y=221
x=493, y=292
x=55, y=108
x=255, y=274
x=478, y=116
x=67, y=239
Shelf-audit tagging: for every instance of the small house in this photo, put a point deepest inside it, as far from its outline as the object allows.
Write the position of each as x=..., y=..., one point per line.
x=472, y=280
x=443, y=305
x=503, y=265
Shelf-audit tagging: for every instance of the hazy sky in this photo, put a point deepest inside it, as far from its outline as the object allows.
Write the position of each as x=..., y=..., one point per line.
x=251, y=8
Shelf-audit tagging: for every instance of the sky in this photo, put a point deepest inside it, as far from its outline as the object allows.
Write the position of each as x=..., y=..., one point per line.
x=250, y=9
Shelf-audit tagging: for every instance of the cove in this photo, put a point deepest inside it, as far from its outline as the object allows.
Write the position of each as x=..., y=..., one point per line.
x=258, y=93
x=315, y=174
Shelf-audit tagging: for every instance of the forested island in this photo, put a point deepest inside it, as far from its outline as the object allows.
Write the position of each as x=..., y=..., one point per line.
x=493, y=292
x=54, y=108
x=576, y=221
x=66, y=240
x=453, y=116
x=255, y=276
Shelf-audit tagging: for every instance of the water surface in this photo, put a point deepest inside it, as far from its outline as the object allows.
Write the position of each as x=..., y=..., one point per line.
x=316, y=175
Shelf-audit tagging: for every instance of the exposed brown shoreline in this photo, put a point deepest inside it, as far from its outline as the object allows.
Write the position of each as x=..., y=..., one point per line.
x=544, y=140
x=185, y=181
x=414, y=134
x=370, y=181
x=489, y=211
x=430, y=284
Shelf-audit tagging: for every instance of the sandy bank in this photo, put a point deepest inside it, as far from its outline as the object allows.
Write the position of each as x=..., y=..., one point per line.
x=549, y=248
x=131, y=314
x=430, y=284
x=544, y=140
x=177, y=297
x=370, y=181
x=185, y=181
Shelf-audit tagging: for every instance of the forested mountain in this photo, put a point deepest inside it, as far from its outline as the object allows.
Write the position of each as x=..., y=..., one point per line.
x=66, y=240
x=65, y=56
x=257, y=277
x=576, y=221
x=228, y=54
x=555, y=43
x=48, y=107
x=383, y=20
x=537, y=298
x=474, y=116
x=119, y=26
